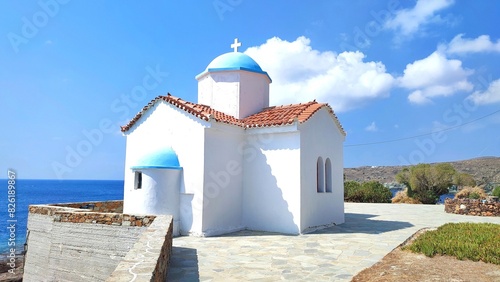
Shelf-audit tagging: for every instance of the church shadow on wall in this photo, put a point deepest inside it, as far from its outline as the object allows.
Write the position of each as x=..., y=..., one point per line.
x=266, y=208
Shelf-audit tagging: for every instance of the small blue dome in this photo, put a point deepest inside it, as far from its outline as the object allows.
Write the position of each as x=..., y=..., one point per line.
x=164, y=159
x=233, y=61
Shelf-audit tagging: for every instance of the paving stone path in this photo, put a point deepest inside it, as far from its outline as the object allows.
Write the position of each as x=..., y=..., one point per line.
x=338, y=253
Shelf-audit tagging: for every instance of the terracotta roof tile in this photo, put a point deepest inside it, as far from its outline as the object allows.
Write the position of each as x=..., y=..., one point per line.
x=281, y=115
x=272, y=116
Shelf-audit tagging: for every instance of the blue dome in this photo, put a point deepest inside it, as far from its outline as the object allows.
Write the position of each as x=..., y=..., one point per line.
x=163, y=158
x=234, y=61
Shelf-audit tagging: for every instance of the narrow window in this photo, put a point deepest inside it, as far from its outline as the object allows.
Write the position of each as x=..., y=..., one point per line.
x=328, y=175
x=320, y=176
x=138, y=180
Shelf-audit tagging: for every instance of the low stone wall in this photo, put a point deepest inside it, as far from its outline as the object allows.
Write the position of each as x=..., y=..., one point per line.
x=108, y=206
x=72, y=213
x=73, y=242
x=149, y=258
x=472, y=207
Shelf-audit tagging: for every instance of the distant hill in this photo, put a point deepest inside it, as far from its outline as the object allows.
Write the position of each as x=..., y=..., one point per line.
x=484, y=169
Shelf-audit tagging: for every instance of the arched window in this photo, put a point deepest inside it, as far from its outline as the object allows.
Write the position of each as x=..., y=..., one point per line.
x=328, y=175
x=320, y=176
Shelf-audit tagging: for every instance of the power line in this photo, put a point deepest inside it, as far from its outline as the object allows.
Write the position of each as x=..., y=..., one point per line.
x=420, y=135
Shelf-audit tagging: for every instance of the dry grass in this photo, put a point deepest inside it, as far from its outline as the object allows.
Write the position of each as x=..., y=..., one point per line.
x=471, y=193
x=402, y=265
x=402, y=198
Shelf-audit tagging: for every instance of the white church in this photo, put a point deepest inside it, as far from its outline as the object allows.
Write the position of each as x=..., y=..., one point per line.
x=231, y=162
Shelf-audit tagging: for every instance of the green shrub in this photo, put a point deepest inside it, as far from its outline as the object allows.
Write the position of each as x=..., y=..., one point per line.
x=350, y=187
x=375, y=192
x=427, y=183
x=496, y=191
x=474, y=195
x=367, y=192
x=473, y=241
x=426, y=196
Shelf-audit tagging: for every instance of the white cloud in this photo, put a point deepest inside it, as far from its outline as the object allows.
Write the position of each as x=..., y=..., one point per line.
x=372, y=127
x=302, y=74
x=459, y=45
x=489, y=96
x=434, y=76
x=409, y=21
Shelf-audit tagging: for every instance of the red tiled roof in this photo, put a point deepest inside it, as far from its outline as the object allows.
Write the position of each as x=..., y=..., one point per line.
x=272, y=116
x=281, y=115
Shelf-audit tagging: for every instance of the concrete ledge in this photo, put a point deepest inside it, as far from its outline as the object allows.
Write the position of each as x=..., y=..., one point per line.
x=149, y=258
x=63, y=237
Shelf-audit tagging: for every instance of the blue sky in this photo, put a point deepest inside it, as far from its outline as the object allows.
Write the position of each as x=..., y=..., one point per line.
x=411, y=81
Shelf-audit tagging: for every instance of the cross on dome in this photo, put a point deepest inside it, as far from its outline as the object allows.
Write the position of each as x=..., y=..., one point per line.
x=235, y=45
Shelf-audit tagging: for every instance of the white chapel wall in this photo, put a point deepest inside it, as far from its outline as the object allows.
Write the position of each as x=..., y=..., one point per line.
x=159, y=194
x=320, y=137
x=219, y=90
x=238, y=93
x=223, y=180
x=254, y=93
x=272, y=180
x=205, y=90
x=169, y=126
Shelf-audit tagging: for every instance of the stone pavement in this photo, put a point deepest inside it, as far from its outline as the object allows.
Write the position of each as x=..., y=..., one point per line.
x=337, y=253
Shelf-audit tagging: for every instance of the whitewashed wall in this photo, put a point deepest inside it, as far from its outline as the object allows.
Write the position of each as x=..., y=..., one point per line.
x=237, y=93
x=159, y=195
x=272, y=180
x=254, y=93
x=223, y=180
x=219, y=90
x=169, y=126
x=320, y=137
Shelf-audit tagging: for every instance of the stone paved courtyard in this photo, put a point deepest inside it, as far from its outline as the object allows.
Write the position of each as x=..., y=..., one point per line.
x=338, y=253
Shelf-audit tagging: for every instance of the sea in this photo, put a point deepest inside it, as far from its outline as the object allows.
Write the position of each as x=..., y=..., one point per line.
x=31, y=192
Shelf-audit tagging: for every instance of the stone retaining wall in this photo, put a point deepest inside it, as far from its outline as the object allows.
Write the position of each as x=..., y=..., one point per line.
x=472, y=207
x=149, y=258
x=74, y=242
